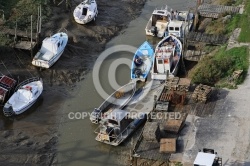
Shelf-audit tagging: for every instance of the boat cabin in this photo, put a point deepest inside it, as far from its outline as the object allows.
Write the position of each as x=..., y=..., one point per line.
x=176, y=28
x=6, y=85
x=158, y=22
x=114, y=124
x=51, y=46
x=117, y=118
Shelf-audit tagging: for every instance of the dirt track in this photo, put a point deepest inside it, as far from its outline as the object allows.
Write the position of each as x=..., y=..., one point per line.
x=31, y=138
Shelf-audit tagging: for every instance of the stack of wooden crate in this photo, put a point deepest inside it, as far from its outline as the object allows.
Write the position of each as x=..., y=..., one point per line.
x=172, y=83
x=202, y=93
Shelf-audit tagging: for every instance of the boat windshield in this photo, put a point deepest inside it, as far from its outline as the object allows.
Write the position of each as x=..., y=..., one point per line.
x=113, y=121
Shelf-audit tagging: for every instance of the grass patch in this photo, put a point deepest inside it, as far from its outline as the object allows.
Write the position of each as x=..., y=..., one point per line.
x=213, y=69
x=4, y=40
x=22, y=11
x=7, y=6
x=226, y=2
x=245, y=24
x=216, y=27
x=233, y=24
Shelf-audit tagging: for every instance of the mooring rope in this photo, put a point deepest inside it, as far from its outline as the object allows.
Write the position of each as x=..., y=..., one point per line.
x=23, y=64
x=6, y=68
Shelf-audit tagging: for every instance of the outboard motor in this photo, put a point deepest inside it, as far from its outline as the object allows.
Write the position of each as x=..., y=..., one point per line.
x=8, y=110
x=137, y=72
x=154, y=31
x=95, y=115
x=138, y=61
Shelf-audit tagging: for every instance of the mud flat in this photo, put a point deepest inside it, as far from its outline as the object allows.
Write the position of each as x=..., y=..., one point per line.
x=31, y=138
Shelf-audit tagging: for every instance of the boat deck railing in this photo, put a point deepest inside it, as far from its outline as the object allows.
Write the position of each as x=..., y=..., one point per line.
x=33, y=79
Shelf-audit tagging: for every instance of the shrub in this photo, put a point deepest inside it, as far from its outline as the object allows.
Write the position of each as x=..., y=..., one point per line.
x=212, y=69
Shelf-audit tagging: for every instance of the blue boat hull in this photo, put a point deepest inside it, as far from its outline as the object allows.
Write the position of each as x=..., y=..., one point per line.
x=142, y=61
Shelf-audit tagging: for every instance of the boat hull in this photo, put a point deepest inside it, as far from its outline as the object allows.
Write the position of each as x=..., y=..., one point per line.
x=48, y=55
x=116, y=100
x=47, y=64
x=133, y=126
x=163, y=76
x=11, y=107
x=142, y=62
x=85, y=12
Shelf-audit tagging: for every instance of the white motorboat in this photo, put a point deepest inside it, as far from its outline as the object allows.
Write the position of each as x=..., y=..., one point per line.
x=118, y=126
x=167, y=55
x=164, y=22
x=158, y=22
x=116, y=100
x=26, y=94
x=51, y=50
x=85, y=12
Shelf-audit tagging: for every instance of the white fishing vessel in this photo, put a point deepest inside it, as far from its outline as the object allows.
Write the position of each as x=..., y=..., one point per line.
x=180, y=25
x=117, y=127
x=51, y=50
x=116, y=100
x=167, y=55
x=158, y=22
x=164, y=22
x=26, y=94
x=85, y=12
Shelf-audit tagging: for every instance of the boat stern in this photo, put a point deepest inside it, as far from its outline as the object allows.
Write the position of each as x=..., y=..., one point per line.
x=8, y=110
x=95, y=116
x=40, y=63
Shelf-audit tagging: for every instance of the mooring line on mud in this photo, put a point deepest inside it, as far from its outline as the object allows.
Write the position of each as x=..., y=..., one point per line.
x=23, y=64
x=6, y=68
x=75, y=46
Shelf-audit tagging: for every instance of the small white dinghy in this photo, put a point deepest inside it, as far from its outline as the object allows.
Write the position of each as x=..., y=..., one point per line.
x=85, y=12
x=51, y=50
x=26, y=94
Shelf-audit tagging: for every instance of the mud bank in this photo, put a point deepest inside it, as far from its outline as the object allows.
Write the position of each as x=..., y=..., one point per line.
x=31, y=138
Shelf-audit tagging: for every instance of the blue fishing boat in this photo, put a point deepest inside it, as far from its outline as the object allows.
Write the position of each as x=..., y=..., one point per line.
x=142, y=61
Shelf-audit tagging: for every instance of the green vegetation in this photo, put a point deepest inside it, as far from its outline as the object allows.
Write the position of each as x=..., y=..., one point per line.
x=227, y=26
x=227, y=2
x=218, y=69
x=4, y=40
x=22, y=11
x=178, y=164
x=216, y=27
x=234, y=23
x=6, y=6
x=245, y=24
x=212, y=69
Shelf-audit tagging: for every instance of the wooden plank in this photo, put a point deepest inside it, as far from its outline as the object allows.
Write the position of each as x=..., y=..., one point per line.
x=206, y=38
x=20, y=33
x=168, y=145
x=213, y=11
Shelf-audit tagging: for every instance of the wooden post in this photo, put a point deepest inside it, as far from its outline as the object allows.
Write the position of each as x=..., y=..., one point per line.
x=31, y=31
x=15, y=34
x=37, y=23
x=40, y=19
x=38, y=26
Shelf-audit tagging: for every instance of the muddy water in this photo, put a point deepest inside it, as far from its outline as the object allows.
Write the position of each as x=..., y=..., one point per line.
x=77, y=145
